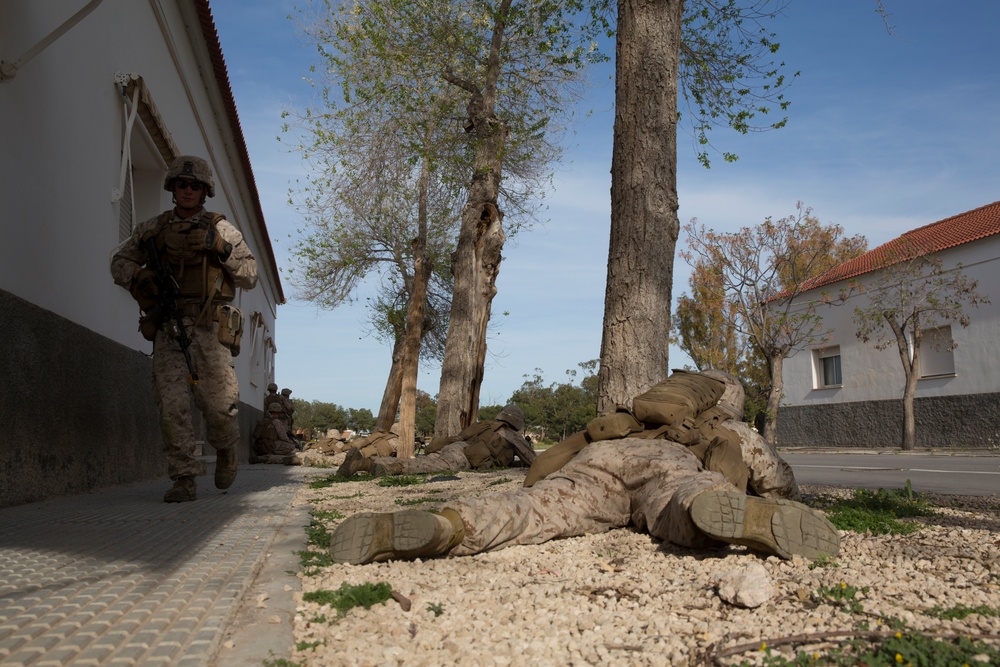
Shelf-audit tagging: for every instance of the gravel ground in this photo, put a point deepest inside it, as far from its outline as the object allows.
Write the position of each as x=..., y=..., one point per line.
x=623, y=598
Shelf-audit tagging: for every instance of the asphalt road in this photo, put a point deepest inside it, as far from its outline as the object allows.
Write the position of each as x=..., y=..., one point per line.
x=933, y=473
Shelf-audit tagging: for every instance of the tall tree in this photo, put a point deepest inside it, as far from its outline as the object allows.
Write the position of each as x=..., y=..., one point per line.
x=757, y=273
x=385, y=194
x=914, y=293
x=504, y=73
x=532, y=54
x=717, y=54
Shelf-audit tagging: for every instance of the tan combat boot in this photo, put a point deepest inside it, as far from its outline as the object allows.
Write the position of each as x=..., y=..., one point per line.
x=225, y=467
x=407, y=534
x=182, y=491
x=354, y=463
x=781, y=527
x=387, y=468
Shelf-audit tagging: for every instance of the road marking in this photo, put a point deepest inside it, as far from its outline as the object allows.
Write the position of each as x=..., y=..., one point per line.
x=951, y=472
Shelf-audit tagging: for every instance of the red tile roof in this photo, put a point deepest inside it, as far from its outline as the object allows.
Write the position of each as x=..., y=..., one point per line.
x=954, y=231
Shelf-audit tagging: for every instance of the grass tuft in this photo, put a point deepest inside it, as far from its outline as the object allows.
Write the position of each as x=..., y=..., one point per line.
x=349, y=596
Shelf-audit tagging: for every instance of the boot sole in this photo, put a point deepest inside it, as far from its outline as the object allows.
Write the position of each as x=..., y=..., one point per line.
x=371, y=537
x=778, y=526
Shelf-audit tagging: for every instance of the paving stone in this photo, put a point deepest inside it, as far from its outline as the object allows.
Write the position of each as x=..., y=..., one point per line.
x=141, y=582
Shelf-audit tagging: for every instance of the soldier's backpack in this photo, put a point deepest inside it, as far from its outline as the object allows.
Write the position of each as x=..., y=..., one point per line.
x=677, y=400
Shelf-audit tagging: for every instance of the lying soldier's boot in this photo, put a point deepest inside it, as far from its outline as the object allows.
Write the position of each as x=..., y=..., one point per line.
x=291, y=460
x=354, y=463
x=182, y=491
x=225, y=467
x=781, y=527
x=388, y=468
x=407, y=534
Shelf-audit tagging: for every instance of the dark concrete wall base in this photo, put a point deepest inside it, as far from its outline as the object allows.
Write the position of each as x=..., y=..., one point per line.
x=947, y=422
x=76, y=408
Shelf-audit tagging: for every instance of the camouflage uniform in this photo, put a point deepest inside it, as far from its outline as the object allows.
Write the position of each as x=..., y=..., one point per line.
x=488, y=444
x=618, y=473
x=216, y=395
x=609, y=484
x=270, y=438
x=648, y=482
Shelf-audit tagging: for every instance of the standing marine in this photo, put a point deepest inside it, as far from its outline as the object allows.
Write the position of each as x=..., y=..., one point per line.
x=184, y=267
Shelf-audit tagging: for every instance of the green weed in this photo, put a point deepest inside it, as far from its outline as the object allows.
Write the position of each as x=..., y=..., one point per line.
x=349, y=596
x=960, y=611
x=877, y=512
x=907, y=649
x=328, y=481
x=436, y=608
x=402, y=480
x=823, y=561
x=303, y=646
x=502, y=480
x=841, y=595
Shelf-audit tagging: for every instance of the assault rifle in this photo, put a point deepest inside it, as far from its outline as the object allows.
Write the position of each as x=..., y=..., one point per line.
x=167, y=303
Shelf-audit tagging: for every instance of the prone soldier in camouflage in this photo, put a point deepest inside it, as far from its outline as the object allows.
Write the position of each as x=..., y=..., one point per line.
x=488, y=444
x=209, y=260
x=636, y=476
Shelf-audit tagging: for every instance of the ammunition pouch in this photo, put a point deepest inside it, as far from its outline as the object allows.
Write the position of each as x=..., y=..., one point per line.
x=230, y=321
x=149, y=323
x=478, y=455
x=613, y=426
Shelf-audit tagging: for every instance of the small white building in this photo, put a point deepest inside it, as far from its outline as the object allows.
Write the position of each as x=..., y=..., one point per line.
x=96, y=98
x=846, y=393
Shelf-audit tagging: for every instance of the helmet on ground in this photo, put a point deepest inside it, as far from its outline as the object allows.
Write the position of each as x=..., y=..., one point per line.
x=273, y=388
x=512, y=415
x=286, y=392
x=190, y=167
x=732, y=397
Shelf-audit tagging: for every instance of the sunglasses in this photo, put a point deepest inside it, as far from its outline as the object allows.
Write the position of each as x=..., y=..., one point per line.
x=194, y=185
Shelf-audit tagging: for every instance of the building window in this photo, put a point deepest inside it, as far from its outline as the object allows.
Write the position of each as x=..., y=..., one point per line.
x=147, y=149
x=826, y=367
x=937, y=357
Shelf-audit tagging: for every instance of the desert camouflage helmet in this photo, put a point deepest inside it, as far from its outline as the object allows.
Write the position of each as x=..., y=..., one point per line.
x=272, y=388
x=732, y=397
x=275, y=407
x=286, y=392
x=512, y=415
x=190, y=167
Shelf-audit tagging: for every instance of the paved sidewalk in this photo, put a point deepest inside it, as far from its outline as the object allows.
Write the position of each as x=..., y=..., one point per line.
x=119, y=577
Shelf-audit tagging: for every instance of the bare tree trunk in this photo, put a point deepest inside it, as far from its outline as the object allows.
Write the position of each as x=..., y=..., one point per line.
x=909, y=417
x=910, y=384
x=393, y=388
x=476, y=262
x=410, y=356
x=476, y=271
x=644, y=224
x=777, y=362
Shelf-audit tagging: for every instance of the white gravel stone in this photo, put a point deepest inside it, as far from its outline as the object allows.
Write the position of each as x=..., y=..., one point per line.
x=623, y=598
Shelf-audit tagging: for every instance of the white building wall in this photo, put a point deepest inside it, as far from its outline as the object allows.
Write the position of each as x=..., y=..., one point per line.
x=63, y=120
x=79, y=409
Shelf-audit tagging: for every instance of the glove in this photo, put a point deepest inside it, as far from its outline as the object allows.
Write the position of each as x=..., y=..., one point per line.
x=144, y=289
x=221, y=247
x=210, y=239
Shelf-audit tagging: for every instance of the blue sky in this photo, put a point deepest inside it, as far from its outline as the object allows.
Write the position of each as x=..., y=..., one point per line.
x=887, y=132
